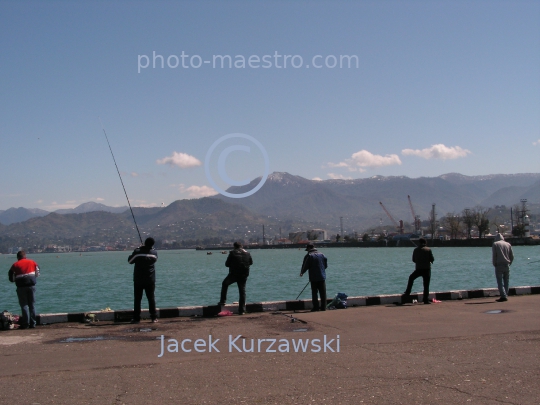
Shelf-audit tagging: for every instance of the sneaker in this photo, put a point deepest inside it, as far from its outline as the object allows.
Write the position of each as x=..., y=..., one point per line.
x=241, y=313
x=154, y=320
x=135, y=321
x=315, y=310
x=427, y=302
x=502, y=299
x=220, y=303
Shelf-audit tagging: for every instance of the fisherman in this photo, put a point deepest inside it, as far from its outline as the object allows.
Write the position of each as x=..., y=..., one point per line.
x=423, y=258
x=316, y=263
x=23, y=273
x=144, y=278
x=502, y=258
x=238, y=262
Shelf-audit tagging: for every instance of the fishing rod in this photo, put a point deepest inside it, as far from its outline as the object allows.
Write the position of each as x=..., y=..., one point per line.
x=536, y=261
x=121, y=181
x=302, y=290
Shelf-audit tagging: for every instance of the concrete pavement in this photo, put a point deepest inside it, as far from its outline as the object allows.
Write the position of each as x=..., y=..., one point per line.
x=446, y=353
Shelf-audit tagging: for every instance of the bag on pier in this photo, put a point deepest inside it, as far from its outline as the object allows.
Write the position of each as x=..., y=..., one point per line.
x=7, y=320
x=339, y=302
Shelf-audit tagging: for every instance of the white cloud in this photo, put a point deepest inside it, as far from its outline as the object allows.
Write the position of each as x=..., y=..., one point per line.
x=340, y=164
x=338, y=176
x=438, y=151
x=536, y=143
x=363, y=158
x=99, y=199
x=198, y=191
x=316, y=179
x=182, y=160
x=134, y=174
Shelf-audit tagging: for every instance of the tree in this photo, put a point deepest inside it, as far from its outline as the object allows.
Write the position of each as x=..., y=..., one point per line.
x=312, y=235
x=468, y=220
x=365, y=238
x=519, y=230
x=481, y=220
x=338, y=237
x=452, y=222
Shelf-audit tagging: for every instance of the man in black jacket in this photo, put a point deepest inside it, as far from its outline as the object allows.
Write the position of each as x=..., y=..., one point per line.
x=144, y=278
x=422, y=257
x=238, y=263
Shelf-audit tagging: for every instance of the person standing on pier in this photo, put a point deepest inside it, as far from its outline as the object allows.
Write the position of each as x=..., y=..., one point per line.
x=238, y=262
x=23, y=273
x=502, y=257
x=423, y=258
x=144, y=278
x=316, y=263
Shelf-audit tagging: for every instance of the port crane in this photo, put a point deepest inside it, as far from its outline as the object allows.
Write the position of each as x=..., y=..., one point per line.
x=416, y=218
x=398, y=226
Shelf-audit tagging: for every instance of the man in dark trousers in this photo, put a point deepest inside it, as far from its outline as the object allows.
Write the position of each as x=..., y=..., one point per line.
x=23, y=273
x=144, y=278
x=316, y=263
x=423, y=257
x=238, y=262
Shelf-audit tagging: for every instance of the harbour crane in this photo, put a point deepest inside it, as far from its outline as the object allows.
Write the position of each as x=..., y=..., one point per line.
x=416, y=218
x=398, y=226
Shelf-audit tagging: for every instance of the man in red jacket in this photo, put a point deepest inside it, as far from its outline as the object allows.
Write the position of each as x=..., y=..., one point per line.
x=23, y=273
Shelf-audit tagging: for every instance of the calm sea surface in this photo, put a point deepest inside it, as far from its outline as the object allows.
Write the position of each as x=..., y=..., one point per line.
x=72, y=282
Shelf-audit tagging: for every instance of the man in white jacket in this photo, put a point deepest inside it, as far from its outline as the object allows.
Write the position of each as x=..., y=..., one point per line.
x=502, y=257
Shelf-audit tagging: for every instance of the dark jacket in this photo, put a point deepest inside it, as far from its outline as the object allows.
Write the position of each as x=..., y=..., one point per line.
x=144, y=259
x=238, y=262
x=423, y=257
x=316, y=263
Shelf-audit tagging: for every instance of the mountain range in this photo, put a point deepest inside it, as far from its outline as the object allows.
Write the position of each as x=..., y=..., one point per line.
x=287, y=196
x=13, y=215
x=284, y=204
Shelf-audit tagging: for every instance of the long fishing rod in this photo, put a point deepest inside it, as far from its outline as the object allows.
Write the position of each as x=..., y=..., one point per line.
x=302, y=290
x=121, y=181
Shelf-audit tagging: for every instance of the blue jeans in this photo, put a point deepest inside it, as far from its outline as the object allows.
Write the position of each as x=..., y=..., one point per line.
x=27, y=302
x=503, y=277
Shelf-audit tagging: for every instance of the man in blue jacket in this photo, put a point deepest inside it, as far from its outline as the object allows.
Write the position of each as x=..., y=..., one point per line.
x=144, y=278
x=316, y=263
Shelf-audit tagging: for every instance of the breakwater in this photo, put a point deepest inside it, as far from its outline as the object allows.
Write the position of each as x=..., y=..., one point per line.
x=402, y=243
x=272, y=306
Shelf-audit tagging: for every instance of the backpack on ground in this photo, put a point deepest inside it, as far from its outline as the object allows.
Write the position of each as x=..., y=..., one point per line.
x=7, y=320
x=339, y=302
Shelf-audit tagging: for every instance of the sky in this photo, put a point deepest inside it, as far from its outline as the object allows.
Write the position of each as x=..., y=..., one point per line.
x=195, y=96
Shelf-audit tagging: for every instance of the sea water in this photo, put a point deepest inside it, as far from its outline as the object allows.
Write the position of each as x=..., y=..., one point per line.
x=79, y=282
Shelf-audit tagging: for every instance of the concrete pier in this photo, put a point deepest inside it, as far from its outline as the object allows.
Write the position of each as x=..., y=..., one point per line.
x=473, y=350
